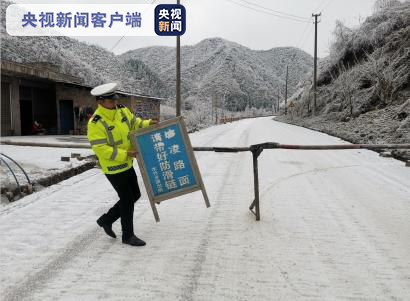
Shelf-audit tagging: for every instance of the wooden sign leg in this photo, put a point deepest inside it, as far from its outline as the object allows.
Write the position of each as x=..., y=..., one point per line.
x=154, y=210
x=205, y=197
x=255, y=203
x=256, y=151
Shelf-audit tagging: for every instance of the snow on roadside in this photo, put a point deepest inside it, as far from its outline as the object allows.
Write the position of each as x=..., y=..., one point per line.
x=60, y=139
x=38, y=162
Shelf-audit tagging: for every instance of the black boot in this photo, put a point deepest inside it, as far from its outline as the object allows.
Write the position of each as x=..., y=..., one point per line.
x=107, y=227
x=134, y=241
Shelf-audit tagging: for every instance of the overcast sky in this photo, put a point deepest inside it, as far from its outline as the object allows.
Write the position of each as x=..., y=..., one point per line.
x=244, y=22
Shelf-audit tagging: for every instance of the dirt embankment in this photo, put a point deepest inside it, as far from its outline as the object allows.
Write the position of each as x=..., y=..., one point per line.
x=388, y=125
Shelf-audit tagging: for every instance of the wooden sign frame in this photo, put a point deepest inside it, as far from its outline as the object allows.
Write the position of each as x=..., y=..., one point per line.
x=179, y=122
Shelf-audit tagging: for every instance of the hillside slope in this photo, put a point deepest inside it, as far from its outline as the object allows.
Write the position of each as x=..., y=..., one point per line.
x=364, y=84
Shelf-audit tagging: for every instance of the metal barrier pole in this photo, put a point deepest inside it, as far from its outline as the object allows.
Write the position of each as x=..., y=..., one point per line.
x=256, y=151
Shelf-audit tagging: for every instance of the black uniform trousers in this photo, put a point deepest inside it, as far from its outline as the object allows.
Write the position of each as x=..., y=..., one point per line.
x=126, y=185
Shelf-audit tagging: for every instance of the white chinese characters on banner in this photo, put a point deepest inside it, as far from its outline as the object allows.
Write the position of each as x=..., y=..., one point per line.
x=167, y=164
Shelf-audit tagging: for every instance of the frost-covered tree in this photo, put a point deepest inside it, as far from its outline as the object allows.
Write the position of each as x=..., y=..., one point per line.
x=382, y=5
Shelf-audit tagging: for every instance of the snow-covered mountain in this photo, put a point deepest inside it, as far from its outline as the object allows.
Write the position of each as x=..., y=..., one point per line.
x=231, y=74
x=220, y=69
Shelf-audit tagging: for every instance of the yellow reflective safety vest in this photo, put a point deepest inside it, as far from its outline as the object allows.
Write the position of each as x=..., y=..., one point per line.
x=107, y=132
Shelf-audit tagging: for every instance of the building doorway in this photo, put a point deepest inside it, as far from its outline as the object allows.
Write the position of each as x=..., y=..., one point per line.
x=26, y=116
x=66, y=116
x=37, y=103
x=5, y=110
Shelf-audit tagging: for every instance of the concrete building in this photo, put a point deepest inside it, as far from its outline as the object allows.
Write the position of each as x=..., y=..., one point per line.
x=61, y=103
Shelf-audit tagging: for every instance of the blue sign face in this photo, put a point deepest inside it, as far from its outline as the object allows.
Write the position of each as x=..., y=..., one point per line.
x=170, y=20
x=166, y=160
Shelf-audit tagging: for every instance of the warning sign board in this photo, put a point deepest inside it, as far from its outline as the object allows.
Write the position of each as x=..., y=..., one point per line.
x=167, y=162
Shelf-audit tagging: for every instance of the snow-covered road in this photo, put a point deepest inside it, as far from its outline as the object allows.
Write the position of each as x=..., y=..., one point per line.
x=335, y=225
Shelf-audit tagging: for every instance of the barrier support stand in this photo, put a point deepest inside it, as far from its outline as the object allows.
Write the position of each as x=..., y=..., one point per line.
x=256, y=151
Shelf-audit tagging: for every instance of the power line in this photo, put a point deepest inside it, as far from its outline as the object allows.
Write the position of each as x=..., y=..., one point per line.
x=275, y=11
x=303, y=42
x=320, y=5
x=303, y=36
x=327, y=4
x=116, y=43
x=269, y=13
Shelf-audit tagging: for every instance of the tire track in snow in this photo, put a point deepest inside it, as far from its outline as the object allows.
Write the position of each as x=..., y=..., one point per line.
x=366, y=251
x=277, y=182
x=388, y=272
x=35, y=281
x=190, y=286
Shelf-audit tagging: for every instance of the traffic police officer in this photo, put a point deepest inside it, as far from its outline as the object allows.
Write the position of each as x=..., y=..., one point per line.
x=108, y=133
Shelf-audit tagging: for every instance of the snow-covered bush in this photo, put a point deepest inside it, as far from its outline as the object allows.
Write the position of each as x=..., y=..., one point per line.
x=352, y=45
x=368, y=66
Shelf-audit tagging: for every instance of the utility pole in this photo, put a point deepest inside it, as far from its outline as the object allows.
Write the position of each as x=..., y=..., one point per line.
x=178, y=75
x=278, y=99
x=315, y=64
x=223, y=107
x=216, y=112
x=286, y=91
x=212, y=108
